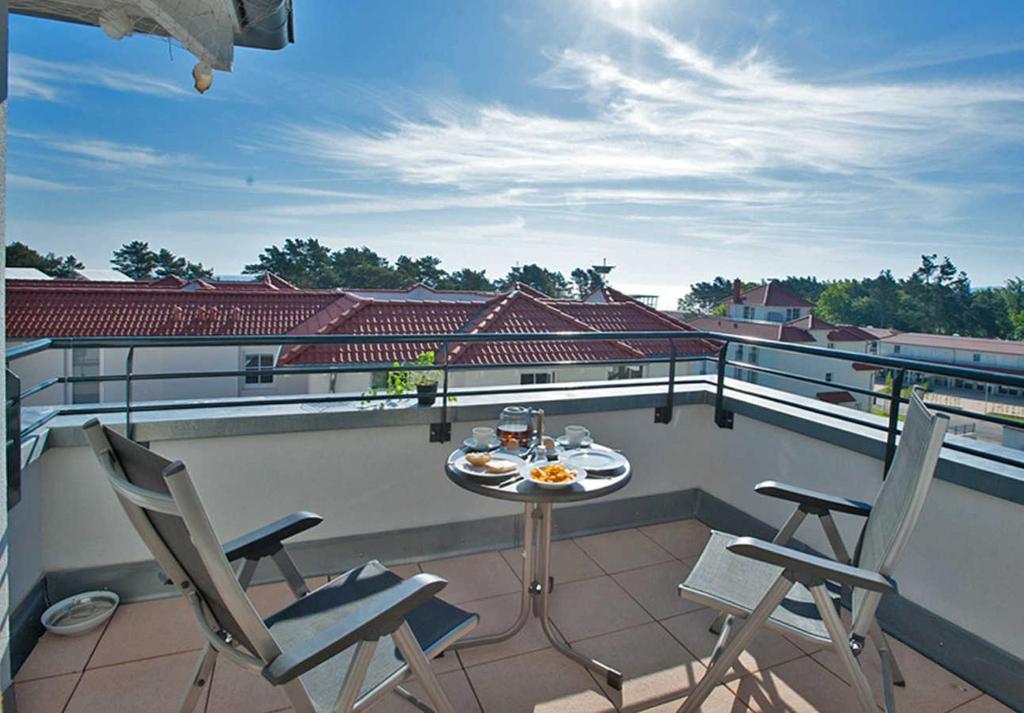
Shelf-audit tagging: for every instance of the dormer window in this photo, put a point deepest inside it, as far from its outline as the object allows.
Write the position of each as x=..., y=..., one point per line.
x=748, y=312
x=792, y=313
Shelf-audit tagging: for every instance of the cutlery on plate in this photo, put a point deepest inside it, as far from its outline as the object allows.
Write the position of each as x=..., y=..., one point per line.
x=514, y=479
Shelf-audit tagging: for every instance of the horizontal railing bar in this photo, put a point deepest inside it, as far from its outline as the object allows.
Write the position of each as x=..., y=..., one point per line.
x=329, y=339
x=27, y=348
x=808, y=379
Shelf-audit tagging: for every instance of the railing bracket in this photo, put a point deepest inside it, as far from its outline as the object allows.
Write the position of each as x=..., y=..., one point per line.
x=663, y=414
x=441, y=432
x=723, y=418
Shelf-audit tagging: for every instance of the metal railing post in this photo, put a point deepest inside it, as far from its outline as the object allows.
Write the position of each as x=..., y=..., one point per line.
x=894, y=418
x=663, y=414
x=129, y=362
x=723, y=417
x=441, y=432
x=13, y=436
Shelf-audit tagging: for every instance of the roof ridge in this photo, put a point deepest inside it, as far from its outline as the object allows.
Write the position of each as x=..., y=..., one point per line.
x=297, y=349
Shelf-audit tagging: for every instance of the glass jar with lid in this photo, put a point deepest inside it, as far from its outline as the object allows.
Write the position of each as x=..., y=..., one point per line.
x=515, y=424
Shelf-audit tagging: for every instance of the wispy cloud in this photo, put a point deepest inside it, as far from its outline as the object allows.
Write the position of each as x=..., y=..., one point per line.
x=109, y=154
x=684, y=114
x=15, y=180
x=48, y=80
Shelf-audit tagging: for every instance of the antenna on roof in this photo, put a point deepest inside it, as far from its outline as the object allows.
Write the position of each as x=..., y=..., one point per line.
x=604, y=268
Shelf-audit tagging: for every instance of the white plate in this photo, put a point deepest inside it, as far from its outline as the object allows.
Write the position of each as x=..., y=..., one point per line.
x=470, y=444
x=584, y=443
x=477, y=471
x=527, y=468
x=594, y=461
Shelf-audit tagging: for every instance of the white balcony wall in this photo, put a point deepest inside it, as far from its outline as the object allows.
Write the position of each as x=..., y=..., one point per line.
x=964, y=561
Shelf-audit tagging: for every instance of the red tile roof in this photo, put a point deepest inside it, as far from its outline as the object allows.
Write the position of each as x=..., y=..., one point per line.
x=762, y=330
x=629, y=316
x=85, y=310
x=771, y=295
x=972, y=344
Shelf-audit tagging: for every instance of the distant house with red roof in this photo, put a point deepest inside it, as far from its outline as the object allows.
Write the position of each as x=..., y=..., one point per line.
x=268, y=305
x=807, y=330
x=771, y=302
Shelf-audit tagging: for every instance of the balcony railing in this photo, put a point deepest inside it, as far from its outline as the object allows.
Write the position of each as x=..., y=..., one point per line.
x=440, y=431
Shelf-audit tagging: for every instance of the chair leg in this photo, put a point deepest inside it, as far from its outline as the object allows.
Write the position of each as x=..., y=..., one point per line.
x=355, y=676
x=418, y=662
x=201, y=675
x=772, y=598
x=723, y=637
x=840, y=643
x=881, y=642
x=291, y=573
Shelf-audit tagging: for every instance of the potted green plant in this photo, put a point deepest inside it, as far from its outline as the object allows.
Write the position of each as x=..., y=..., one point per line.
x=425, y=380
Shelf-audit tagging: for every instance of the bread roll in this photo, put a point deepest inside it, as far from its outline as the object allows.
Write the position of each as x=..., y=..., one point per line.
x=478, y=459
x=500, y=467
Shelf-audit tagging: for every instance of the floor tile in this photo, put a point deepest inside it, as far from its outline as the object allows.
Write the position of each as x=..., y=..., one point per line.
x=154, y=686
x=685, y=539
x=542, y=682
x=929, y=686
x=655, y=667
x=235, y=689
x=594, y=607
x=146, y=629
x=983, y=704
x=473, y=576
x=655, y=588
x=405, y=570
x=269, y=598
x=497, y=614
x=798, y=686
x=55, y=655
x=568, y=562
x=44, y=695
x=768, y=648
x=455, y=685
x=721, y=700
x=621, y=550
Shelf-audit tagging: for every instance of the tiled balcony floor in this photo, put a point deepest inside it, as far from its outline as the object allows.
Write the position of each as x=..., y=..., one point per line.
x=615, y=599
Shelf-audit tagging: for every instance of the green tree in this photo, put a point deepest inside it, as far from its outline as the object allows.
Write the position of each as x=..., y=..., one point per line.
x=167, y=263
x=541, y=279
x=304, y=262
x=135, y=260
x=362, y=268
x=466, y=279
x=704, y=297
x=586, y=281
x=21, y=255
x=421, y=271
x=810, y=287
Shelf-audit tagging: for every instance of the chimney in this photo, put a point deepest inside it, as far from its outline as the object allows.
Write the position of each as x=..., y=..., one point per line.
x=737, y=287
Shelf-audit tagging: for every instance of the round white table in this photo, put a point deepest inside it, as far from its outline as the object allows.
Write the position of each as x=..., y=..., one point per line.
x=539, y=503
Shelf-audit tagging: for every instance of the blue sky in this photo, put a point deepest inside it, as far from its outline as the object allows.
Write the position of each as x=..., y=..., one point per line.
x=680, y=140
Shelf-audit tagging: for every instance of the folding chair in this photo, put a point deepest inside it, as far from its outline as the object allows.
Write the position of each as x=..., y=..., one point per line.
x=767, y=583
x=339, y=648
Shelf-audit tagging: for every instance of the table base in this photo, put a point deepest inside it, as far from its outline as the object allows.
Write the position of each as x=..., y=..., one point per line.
x=537, y=585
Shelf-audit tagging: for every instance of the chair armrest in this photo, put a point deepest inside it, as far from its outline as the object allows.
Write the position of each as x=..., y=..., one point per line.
x=804, y=564
x=379, y=616
x=267, y=540
x=816, y=501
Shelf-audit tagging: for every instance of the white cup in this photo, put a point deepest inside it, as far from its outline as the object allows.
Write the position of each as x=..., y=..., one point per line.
x=483, y=436
x=575, y=435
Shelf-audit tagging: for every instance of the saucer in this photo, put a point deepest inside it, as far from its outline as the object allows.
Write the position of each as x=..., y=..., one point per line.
x=586, y=442
x=470, y=444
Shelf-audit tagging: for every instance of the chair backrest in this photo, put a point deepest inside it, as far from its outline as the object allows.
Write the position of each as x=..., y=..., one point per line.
x=899, y=502
x=165, y=509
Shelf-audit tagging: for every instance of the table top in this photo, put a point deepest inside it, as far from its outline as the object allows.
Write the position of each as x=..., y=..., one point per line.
x=524, y=491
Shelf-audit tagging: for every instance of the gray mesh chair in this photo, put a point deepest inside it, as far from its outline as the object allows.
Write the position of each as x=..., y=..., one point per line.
x=767, y=583
x=339, y=648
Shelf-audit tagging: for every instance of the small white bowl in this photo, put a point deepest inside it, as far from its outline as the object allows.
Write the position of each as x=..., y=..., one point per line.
x=80, y=613
x=527, y=472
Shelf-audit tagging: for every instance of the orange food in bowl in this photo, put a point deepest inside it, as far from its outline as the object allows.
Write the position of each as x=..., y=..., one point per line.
x=556, y=473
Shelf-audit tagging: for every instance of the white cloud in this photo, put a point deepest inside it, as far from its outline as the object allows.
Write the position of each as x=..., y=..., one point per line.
x=15, y=180
x=48, y=80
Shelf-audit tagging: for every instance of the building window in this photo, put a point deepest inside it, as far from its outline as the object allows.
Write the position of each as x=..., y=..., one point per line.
x=541, y=377
x=895, y=348
x=739, y=352
x=85, y=362
x=828, y=376
x=748, y=312
x=753, y=355
x=977, y=357
x=625, y=371
x=792, y=313
x=255, y=366
x=752, y=377
x=831, y=345
x=379, y=380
